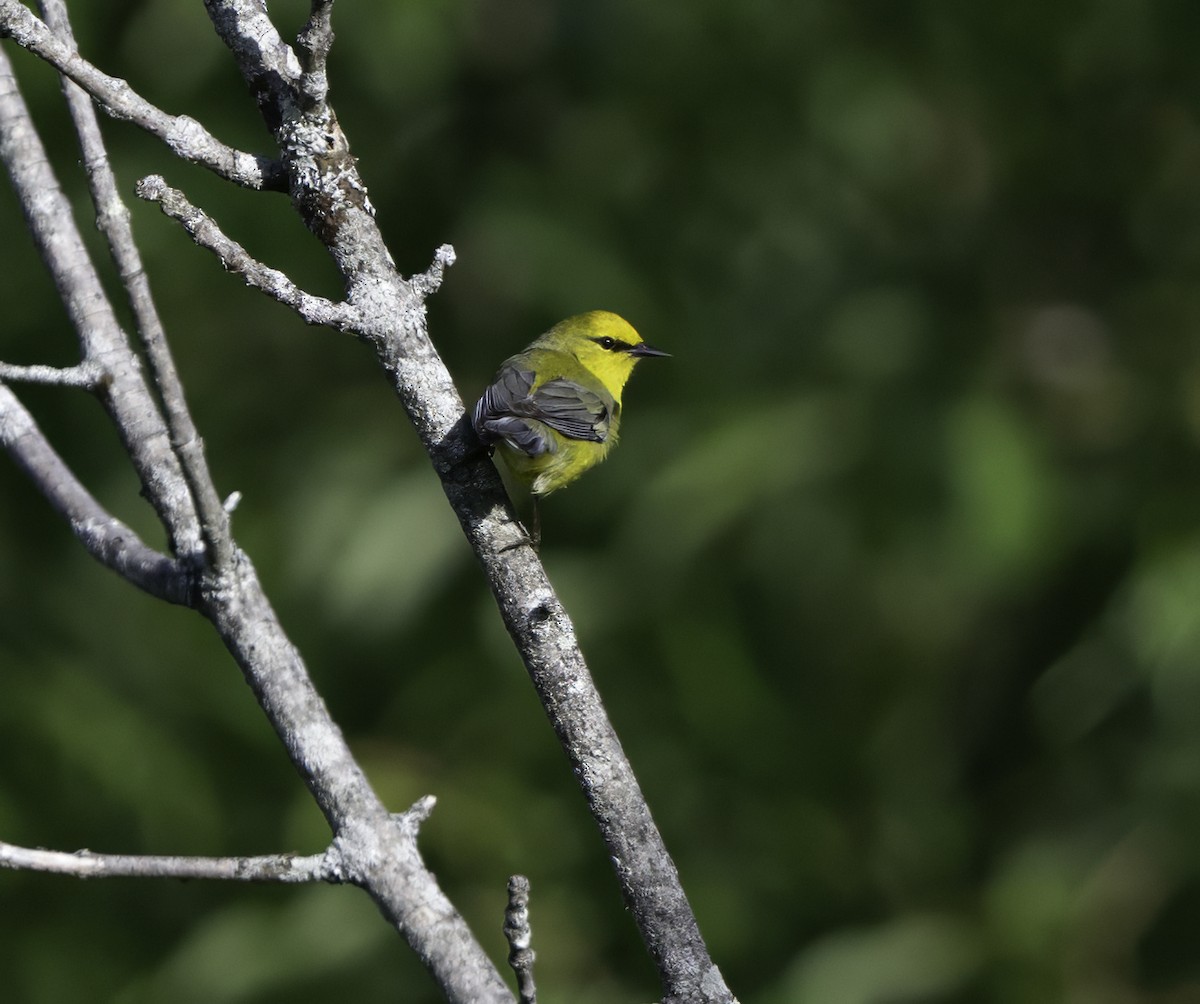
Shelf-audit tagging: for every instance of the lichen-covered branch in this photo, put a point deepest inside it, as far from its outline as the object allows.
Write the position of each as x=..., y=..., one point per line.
x=186, y=137
x=374, y=848
x=105, y=537
x=520, y=938
x=112, y=218
x=313, y=44
x=387, y=311
x=83, y=375
x=393, y=321
x=205, y=232
x=289, y=868
x=105, y=349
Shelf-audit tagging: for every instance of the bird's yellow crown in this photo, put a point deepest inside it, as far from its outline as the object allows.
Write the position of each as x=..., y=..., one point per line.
x=605, y=344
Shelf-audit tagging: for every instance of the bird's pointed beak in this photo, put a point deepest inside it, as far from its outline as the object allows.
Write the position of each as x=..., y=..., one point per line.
x=642, y=349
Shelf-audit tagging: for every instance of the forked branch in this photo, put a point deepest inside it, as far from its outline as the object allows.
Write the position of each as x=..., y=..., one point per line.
x=374, y=849
x=387, y=311
x=185, y=137
x=205, y=232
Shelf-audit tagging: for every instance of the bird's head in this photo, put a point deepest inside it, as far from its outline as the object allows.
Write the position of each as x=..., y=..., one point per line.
x=604, y=343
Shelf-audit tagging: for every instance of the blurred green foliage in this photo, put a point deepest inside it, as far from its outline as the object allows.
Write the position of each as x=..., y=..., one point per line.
x=893, y=587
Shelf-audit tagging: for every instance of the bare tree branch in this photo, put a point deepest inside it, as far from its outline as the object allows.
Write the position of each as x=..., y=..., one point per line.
x=84, y=375
x=336, y=210
x=205, y=232
x=121, y=386
x=113, y=220
x=327, y=866
x=376, y=851
x=268, y=64
x=410, y=819
x=388, y=312
x=105, y=537
x=186, y=137
x=520, y=938
x=313, y=45
x=290, y=868
x=426, y=283
x=379, y=854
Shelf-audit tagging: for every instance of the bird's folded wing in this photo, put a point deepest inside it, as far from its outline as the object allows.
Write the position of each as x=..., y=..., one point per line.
x=512, y=384
x=575, y=411
x=507, y=410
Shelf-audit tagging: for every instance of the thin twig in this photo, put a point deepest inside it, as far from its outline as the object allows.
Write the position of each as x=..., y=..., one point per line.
x=374, y=851
x=246, y=28
x=331, y=196
x=104, y=536
x=122, y=387
x=412, y=818
x=313, y=45
x=289, y=868
x=205, y=232
x=112, y=218
x=394, y=323
x=519, y=937
x=426, y=283
x=186, y=137
x=85, y=375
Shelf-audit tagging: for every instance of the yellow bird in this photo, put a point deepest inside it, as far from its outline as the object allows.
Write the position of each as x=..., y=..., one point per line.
x=553, y=411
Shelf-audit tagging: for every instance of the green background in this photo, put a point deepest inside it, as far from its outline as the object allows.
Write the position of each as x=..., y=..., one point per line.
x=892, y=589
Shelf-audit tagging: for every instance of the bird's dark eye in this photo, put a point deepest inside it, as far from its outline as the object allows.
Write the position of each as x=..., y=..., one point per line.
x=606, y=342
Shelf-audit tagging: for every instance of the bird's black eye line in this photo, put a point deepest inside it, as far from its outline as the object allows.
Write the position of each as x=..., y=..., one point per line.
x=611, y=344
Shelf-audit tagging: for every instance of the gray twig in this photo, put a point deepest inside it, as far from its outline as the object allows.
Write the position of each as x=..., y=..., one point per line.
x=205, y=232
x=120, y=386
x=313, y=44
x=389, y=313
x=520, y=938
x=112, y=218
x=104, y=536
x=427, y=283
x=373, y=851
x=290, y=868
x=85, y=375
x=412, y=818
x=186, y=137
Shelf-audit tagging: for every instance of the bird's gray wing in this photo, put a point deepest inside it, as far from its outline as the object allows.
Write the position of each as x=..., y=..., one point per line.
x=573, y=410
x=507, y=410
x=499, y=413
